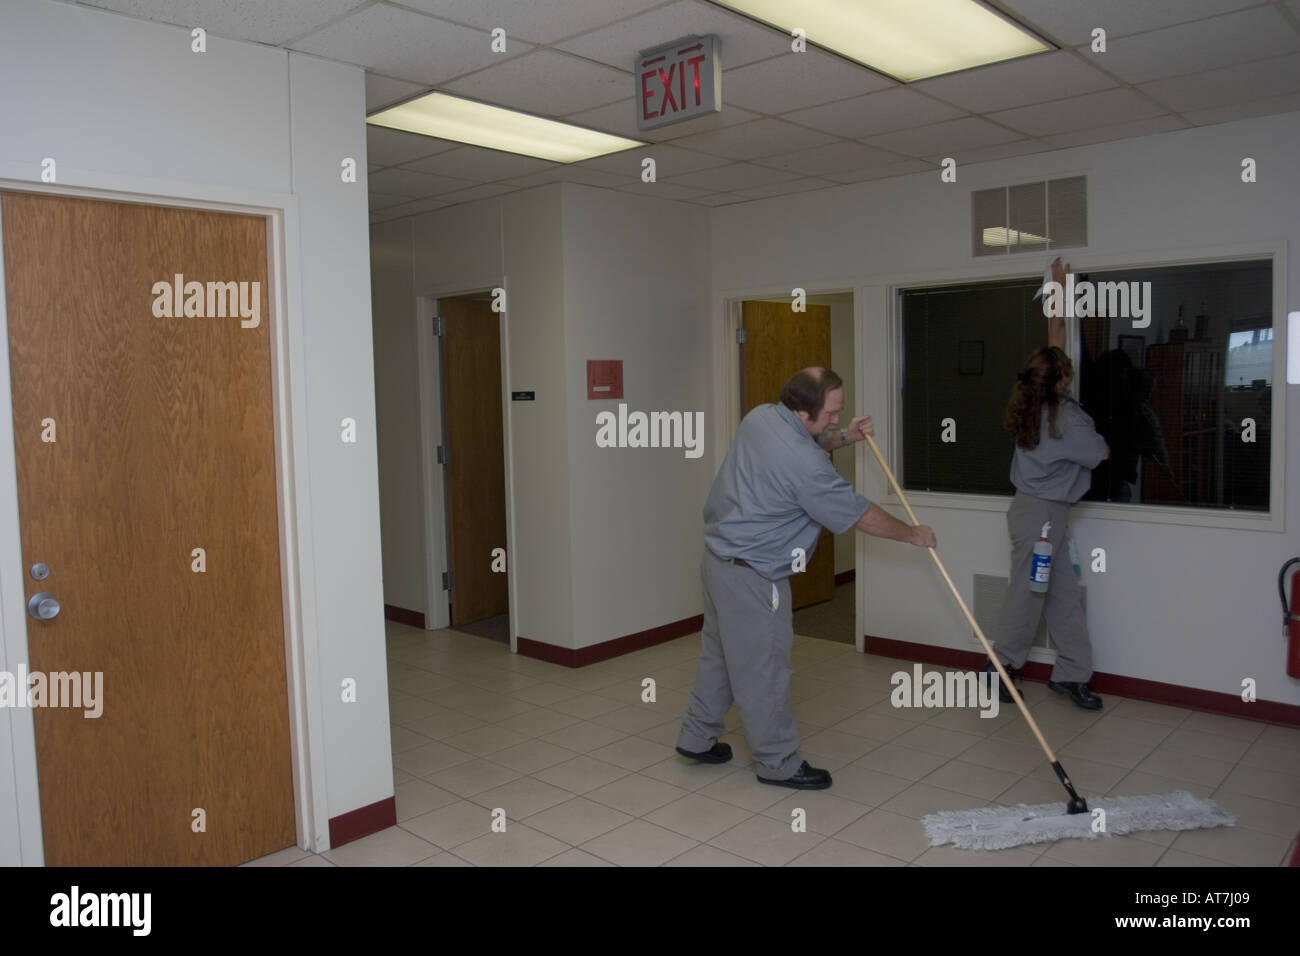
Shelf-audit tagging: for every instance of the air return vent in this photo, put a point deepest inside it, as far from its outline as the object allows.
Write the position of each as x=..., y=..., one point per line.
x=1030, y=217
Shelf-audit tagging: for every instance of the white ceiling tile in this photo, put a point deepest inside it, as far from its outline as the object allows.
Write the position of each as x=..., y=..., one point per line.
x=413, y=208
x=392, y=147
x=794, y=81
x=1239, y=111
x=485, y=191
x=905, y=167
x=735, y=176
x=719, y=199
x=1072, y=23
x=403, y=182
x=1081, y=112
x=256, y=20
x=546, y=83
x=945, y=138
x=764, y=137
x=1204, y=45
x=785, y=189
x=1030, y=79
x=477, y=163
x=669, y=161
x=536, y=22
x=742, y=40
x=833, y=158
x=380, y=200
x=573, y=174
x=1230, y=85
x=664, y=190
x=383, y=90
x=1106, y=134
x=620, y=118
x=968, y=157
x=883, y=112
x=407, y=45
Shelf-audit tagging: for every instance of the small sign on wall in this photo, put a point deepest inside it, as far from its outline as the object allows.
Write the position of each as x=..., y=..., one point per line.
x=678, y=81
x=604, y=378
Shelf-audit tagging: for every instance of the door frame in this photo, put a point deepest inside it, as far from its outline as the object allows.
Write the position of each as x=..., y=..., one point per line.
x=434, y=490
x=293, y=501
x=727, y=405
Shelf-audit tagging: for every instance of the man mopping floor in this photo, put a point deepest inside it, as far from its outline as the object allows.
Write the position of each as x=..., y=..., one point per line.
x=775, y=491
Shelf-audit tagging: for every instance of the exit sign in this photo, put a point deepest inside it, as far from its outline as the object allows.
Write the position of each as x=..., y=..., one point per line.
x=678, y=81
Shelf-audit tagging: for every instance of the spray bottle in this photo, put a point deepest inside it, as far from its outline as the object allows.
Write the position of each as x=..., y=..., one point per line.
x=1041, y=569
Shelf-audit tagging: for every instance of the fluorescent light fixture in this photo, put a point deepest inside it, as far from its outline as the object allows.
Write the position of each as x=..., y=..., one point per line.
x=1293, y=349
x=906, y=39
x=1002, y=236
x=480, y=124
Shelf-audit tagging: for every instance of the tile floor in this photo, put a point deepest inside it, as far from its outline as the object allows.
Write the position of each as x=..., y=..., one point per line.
x=587, y=775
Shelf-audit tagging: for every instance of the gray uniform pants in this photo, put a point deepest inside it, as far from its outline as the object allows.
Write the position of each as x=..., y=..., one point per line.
x=745, y=658
x=1063, y=602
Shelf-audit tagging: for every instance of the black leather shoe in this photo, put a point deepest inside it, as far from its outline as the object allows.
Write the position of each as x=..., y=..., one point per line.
x=806, y=778
x=718, y=753
x=1004, y=695
x=1080, y=693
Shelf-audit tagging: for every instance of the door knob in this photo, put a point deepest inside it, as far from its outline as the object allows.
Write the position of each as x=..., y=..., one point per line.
x=43, y=606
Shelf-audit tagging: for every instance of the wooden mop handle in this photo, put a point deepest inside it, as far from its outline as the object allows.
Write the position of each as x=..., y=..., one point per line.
x=965, y=610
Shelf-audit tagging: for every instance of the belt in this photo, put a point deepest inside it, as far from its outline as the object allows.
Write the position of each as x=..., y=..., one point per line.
x=740, y=561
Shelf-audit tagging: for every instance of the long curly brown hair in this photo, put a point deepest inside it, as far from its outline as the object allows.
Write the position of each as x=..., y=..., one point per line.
x=1035, y=388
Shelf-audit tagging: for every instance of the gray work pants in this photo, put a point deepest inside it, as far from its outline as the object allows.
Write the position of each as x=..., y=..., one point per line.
x=746, y=658
x=1062, y=603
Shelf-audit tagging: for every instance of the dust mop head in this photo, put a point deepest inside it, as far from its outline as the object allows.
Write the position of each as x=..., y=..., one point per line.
x=997, y=828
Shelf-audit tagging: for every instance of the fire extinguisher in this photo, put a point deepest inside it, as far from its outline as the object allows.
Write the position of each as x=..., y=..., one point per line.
x=1291, y=618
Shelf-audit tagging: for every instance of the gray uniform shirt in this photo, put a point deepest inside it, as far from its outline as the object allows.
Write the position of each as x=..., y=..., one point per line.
x=1060, y=469
x=775, y=491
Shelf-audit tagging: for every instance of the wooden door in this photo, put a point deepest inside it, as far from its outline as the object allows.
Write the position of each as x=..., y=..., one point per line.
x=162, y=443
x=779, y=342
x=476, y=482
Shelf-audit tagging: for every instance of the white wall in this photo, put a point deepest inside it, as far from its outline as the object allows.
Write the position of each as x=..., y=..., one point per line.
x=398, y=415
x=1194, y=606
x=607, y=541
x=124, y=104
x=515, y=240
x=636, y=288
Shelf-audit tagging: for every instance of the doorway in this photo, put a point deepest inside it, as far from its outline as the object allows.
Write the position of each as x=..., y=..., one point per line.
x=776, y=342
x=148, y=509
x=472, y=456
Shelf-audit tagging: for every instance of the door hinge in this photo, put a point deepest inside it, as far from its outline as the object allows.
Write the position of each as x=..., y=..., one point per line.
x=448, y=580
x=439, y=326
x=444, y=454
x=740, y=336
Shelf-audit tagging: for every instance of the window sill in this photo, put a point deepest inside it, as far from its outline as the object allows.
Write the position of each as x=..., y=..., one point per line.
x=1145, y=514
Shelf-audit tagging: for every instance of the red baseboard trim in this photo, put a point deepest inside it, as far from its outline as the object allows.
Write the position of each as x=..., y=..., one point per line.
x=362, y=822
x=402, y=616
x=844, y=577
x=1174, y=695
x=593, y=653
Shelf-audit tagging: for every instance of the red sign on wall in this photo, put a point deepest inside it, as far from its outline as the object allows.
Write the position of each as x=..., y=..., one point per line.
x=604, y=378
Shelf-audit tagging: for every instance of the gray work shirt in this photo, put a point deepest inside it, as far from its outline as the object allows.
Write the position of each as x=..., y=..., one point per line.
x=775, y=491
x=1060, y=469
